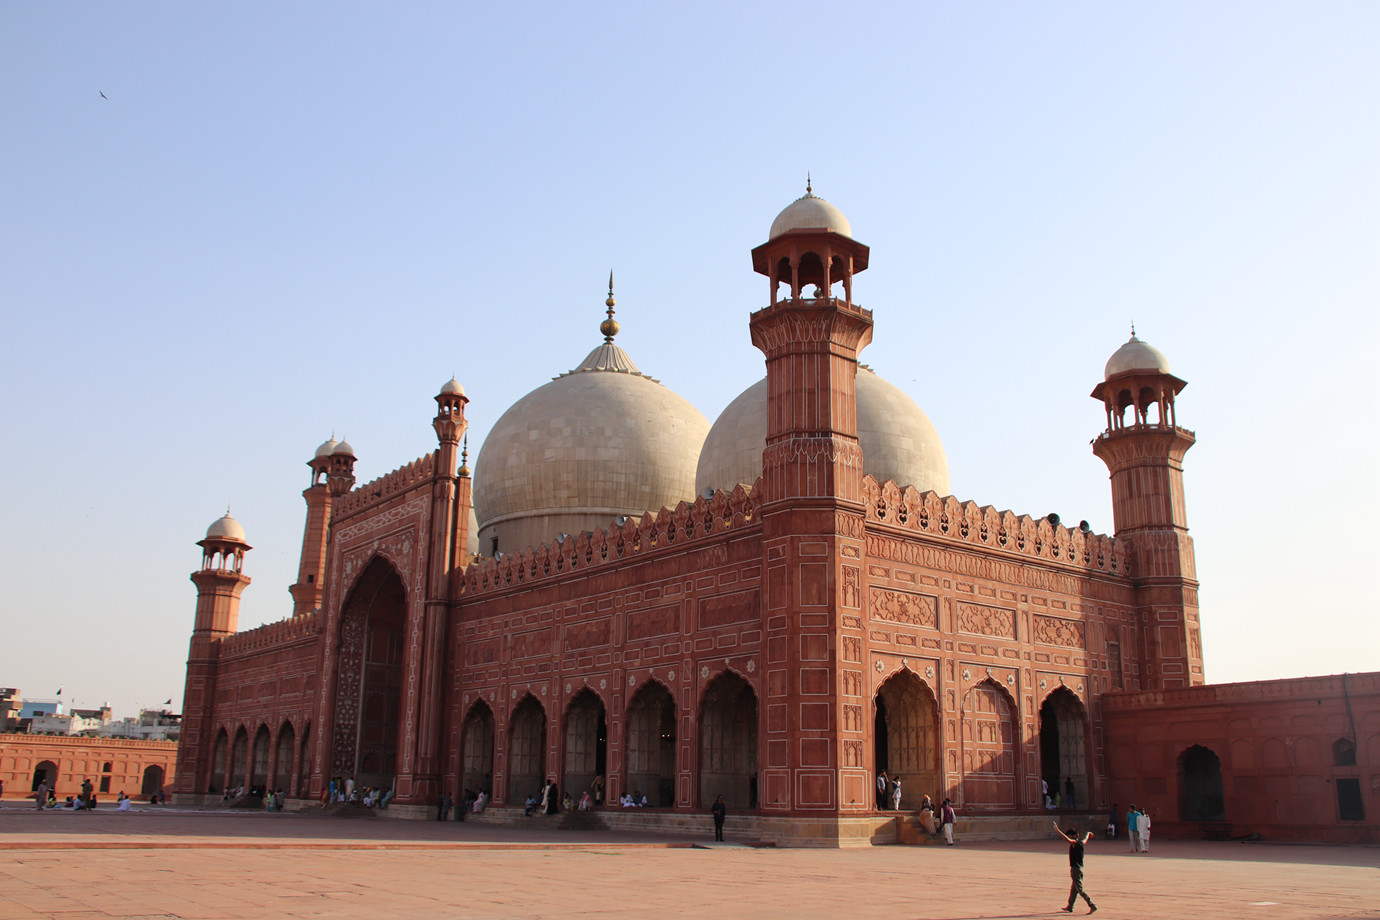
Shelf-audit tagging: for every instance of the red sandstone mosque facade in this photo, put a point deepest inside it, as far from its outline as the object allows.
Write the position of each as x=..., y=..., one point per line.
x=773, y=608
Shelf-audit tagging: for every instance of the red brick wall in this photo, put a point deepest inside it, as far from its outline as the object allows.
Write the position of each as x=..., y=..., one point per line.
x=1274, y=741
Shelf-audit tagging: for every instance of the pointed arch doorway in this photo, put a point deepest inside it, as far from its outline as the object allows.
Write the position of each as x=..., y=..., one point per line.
x=906, y=738
x=369, y=682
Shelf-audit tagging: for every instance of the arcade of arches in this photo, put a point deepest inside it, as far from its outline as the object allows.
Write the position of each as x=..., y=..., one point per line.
x=114, y=765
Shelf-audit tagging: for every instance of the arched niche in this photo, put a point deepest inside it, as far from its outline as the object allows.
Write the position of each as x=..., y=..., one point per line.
x=586, y=743
x=1201, y=795
x=1064, y=748
x=526, y=750
x=477, y=750
x=651, y=744
x=989, y=745
x=728, y=742
x=906, y=738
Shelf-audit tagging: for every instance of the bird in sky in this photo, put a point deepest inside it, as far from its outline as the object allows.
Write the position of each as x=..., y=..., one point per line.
x=104, y=96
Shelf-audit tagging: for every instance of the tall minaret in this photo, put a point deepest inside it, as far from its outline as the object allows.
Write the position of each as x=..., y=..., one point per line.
x=1145, y=456
x=306, y=594
x=219, y=583
x=812, y=513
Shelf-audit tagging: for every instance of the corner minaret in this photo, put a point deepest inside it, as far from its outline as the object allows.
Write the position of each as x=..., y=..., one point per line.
x=812, y=516
x=811, y=341
x=1145, y=456
x=306, y=593
x=219, y=583
x=221, y=579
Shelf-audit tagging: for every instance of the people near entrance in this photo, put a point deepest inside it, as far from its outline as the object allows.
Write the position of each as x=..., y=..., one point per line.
x=552, y=797
x=1070, y=794
x=720, y=811
x=443, y=807
x=1044, y=793
x=627, y=801
x=1133, y=827
x=1076, y=845
x=883, y=786
x=927, y=820
x=567, y=803
x=480, y=801
x=1143, y=825
x=530, y=805
x=1112, y=818
x=598, y=789
x=41, y=795
x=123, y=803
x=946, y=820
x=86, y=790
x=896, y=794
x=586, y=801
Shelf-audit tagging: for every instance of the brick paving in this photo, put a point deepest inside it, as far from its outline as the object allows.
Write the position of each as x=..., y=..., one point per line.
x=212, y=865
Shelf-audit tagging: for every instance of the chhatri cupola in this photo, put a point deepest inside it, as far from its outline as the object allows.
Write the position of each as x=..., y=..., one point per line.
x=1137, y=377
x=810, y=245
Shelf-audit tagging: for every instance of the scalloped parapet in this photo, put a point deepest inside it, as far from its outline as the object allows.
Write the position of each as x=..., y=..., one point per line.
x=982, y=525
x=387, y=485
x=284, y=632
x=723, y=511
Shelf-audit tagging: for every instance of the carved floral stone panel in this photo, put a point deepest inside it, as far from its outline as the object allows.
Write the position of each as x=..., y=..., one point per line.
x=982, y=620
x=1059, y=631
x=903, y=607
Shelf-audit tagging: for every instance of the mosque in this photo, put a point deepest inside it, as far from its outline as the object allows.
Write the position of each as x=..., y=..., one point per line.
x=773, y=608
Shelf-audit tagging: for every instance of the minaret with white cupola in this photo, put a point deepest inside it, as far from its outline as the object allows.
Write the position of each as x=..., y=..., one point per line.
x=1144, y=447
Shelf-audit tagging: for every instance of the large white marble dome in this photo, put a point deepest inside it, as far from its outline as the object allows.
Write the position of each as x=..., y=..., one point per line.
x=600, y=441
x=898, y=440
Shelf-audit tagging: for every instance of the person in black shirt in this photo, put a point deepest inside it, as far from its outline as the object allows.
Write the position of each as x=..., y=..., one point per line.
x=1076, y=866
x=720, y=811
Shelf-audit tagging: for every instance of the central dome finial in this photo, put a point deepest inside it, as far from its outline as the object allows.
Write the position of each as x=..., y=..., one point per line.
x=609, y=327
x=809, y=186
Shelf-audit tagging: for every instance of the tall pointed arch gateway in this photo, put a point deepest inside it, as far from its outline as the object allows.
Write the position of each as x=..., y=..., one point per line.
x=369, y=678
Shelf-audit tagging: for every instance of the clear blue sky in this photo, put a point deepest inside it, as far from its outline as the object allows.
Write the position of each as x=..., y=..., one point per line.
x=292, y=219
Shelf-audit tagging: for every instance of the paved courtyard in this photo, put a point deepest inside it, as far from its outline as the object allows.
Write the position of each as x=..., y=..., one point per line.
x=238, y=865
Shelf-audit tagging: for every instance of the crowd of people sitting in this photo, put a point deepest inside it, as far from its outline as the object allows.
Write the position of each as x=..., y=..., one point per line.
x=45, y=797
x=344, y=791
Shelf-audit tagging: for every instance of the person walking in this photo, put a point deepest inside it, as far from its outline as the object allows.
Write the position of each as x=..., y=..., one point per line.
x=41, y=795
x=1076, y=846
x=896, y=794
x=720, y=811
x=947, y=820
x=1143, y=824
x=882, y=786
x=1133, y=828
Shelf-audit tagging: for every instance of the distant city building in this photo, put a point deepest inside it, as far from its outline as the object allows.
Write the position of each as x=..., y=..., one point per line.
x=152, y=724
x=10, y=705
x=30, y=708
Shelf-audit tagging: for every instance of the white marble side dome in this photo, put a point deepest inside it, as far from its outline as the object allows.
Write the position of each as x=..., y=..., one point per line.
x=226, y=528
x=327, y=448
x=601, y=441
x=810, y=212
x=898, y=440
x=1135, y=355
